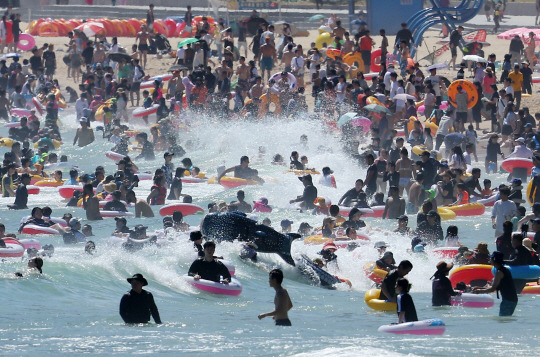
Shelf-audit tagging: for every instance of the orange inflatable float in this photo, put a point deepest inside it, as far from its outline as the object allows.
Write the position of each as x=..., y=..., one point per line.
x=468, y=87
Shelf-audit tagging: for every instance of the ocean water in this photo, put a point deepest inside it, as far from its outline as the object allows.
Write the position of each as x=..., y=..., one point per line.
x=73, y=307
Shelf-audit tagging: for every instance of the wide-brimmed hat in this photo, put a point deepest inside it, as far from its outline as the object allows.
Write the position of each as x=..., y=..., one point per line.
x=444, y=266
x=138, y=277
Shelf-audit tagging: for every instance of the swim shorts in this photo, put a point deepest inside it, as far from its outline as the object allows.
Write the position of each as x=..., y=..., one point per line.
x=404, y=181
x=4, y=114
x=267, y=63
x=143, y=47
x=506, y=309
x=283, y=322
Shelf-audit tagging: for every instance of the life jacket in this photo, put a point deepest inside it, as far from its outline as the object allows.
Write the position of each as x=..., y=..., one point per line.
x=160, y=198
x=465, y=199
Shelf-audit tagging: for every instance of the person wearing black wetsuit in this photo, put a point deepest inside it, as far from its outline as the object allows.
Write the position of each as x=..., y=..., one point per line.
x=351, y=196
x=441, y=287
x=137, y=304
x=21, y=194
x=503, y=283
x=115, y=204
x=309, y=195
x=295, y=163
x=388, y=285
x=196, y=238
x=208, y=268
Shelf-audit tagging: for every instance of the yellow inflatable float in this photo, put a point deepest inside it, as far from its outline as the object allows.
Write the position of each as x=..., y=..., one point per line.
x=446, y=214
x=372, y=300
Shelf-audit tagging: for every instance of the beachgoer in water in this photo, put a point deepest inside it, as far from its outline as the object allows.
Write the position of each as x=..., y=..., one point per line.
x=138, y=304
x=282, y=301
x=208, y=268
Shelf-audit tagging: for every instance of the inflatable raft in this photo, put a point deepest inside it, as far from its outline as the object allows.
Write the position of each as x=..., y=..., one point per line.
x=234, y=288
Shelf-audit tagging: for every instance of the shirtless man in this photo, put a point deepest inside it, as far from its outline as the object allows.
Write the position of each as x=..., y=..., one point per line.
x=91, y=203
x=338, y=31
x=144, y=38
x=142, y=208
x=414, y=195
x=395, y=205
x=84, y=135
x=288, y=55
x=268, y=54
x=282, y=301
x=257, y=89
x=224, y=68
x=404, y=167
x=242, y=71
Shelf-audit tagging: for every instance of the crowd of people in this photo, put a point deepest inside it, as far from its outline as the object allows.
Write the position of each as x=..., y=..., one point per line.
x=404, y=161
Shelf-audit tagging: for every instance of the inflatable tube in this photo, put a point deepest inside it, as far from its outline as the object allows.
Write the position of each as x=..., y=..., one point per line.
x=32, y=229
x=374, y=273
x=38, y=105
x=372, y=300
x=424, y=327
x=114, y=156
x=410, y=123
x=373, y=100
x=111, y=214
x=352, y=58
x=431, y=124
x=55, y=143
x=468, y=87
x=471, y=272
x=67, y=191
x=323, y=38
x=472, y=300
x=376, y=60
x=292, y=79
x=364, y=123
x=344, y=211
x=377, y=212
x=186, y=209
x=264, y=105
x=27, y=243
x=12, y=250
x=49, y=183
x=162, y=77
x=20, y=112
x=191, y=179
x=7, y=142
x=517, y=163
x=445, y=252
x=469, y=209
x=446, y=214
x=419, y=149
x=303, y=172
x=529, y=193
x=141, y=112
x=32, y=190
x=13, y=124
x=522, y=271
x=333, y=53
x=531, y=288
x=234, y=288
x=233, y=182
x=102, y=203
x=488, y=202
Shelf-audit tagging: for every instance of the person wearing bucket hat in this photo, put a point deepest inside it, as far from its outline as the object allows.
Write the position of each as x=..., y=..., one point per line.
x=308, y=197
x=441, y=288
x=503, y=283
x=138, y=304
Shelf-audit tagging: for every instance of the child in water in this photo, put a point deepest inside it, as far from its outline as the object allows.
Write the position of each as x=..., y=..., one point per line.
x=405, y=304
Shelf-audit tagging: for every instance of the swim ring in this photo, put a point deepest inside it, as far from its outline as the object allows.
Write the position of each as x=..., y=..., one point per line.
x=186, y=209
x=424, y=327
x=232, y=182
x=234, y=288
x=374, y=273
x=141, y=112
x=468, y=87
x=472, y=300
x=470, y=273
x=469, y=209
x=372, y=300
x=517, y=163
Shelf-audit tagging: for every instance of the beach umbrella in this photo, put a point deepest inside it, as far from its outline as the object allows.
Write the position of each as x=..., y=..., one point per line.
x=316, y=18
x=474, y=58
x=403, y=96
x=376, y=108
x=90, y=28
x=187, y=41
x=119, y=57
x=437, y=66
x=345, y=118
x=175, y=67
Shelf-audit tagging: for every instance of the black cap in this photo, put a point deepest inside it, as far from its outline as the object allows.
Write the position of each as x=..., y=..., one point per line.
x=168, y=154
x=120, y=219
x=140, y=227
